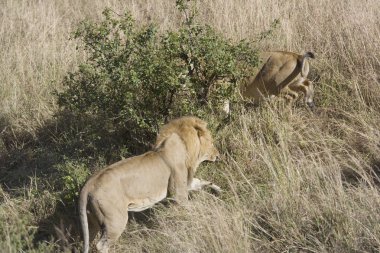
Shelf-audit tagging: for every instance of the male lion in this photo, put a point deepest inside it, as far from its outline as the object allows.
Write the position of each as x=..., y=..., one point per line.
x=139, y=182
x=283, y=73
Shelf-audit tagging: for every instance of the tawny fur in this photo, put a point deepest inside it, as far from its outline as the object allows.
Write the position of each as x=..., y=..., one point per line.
x=137, y=183
x=283, y=74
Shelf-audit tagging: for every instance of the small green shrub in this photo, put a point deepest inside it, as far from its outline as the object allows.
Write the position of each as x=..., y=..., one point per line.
x=136, y=78
x=72, y=176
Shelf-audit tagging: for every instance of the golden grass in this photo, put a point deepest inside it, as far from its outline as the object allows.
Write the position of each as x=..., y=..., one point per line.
x=36, y=52
x=293, y=181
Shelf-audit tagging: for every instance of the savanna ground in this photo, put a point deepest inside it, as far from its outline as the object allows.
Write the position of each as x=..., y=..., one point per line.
x=293, y=181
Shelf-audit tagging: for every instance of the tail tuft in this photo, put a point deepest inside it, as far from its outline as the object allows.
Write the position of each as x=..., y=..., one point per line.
x=309, y=55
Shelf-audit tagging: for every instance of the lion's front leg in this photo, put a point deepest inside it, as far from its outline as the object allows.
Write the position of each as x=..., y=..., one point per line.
x=178, y=186
x=199, y=184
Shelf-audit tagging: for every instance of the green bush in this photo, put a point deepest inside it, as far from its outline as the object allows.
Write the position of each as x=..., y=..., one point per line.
x=137, y=78
x=72, y=176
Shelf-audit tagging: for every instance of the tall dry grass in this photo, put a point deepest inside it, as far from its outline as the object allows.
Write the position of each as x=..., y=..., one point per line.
x=37, y=52
x=293, y=181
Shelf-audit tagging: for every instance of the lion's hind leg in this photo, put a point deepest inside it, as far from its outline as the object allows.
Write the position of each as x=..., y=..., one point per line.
x=111, y=230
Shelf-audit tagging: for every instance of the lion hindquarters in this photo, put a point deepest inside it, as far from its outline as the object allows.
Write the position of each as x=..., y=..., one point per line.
x=105, y=213
x=283, y=73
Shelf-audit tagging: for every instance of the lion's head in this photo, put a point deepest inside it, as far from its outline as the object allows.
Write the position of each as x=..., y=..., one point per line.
x=196, y=138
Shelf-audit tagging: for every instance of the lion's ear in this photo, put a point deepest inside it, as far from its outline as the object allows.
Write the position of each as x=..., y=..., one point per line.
x=200, y=131
x=201, y=127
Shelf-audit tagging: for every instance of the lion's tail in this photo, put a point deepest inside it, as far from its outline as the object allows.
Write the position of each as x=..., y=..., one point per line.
x=306, y=55
x=309, y=55
x=83, y=219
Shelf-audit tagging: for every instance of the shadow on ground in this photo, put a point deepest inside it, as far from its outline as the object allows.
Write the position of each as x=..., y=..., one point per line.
x=66, y=136
x=83, y=138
